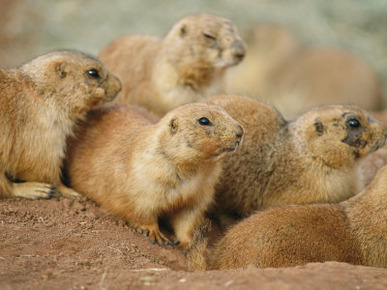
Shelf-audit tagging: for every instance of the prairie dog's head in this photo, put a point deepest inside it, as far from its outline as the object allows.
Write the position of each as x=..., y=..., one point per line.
x=205, y=41
x=339, y=135
x=196, y=133
x=75, y=81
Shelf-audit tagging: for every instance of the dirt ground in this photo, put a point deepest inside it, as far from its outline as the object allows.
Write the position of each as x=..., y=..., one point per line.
x=67, y=243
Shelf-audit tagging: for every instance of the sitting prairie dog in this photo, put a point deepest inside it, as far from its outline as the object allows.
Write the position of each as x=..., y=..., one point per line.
x=353, y=231
x=313, y=159
x=295, y=77
x=188, y=64
x=40, y=103
x=142, y=170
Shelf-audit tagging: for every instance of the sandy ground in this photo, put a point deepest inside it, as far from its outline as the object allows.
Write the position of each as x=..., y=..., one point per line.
x=73, y=244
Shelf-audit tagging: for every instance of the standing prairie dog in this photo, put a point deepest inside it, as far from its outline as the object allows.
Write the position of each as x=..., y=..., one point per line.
x=142, y=170
x=39, y=105
x=311, y=159
x=353, y=231
x=188, y=64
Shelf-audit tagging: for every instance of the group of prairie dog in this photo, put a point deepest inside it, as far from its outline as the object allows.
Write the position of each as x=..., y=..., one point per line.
x=185, y=153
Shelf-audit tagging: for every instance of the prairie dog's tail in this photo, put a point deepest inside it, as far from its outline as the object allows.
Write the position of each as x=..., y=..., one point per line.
x=196, y=256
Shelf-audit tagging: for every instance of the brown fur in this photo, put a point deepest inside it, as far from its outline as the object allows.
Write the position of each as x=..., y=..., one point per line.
x=353, y=231
x=311, y=159
x=186, y=65
x=294, y=77
x=40, y=103
x=142, y=170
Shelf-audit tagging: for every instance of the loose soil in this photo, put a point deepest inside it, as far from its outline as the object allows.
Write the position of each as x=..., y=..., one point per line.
x=65, y=243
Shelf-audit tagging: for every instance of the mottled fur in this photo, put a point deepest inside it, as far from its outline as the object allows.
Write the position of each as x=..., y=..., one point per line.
x=39, y=105
x=142, y=170
x=187, y=64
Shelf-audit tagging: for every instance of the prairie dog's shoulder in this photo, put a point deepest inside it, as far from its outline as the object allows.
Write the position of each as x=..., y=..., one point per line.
x=249, y=111
x=130, y=48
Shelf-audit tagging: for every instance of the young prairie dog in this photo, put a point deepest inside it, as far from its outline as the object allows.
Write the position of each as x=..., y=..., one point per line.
x=142, y=170
x=353, y=231
x=40, y=103
x=189, y=63
x=313, y=159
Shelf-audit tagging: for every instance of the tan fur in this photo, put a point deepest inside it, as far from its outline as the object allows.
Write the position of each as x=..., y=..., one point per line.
x=295, y=77
x=187, y=64
x=142, y=170
x=353, y=231
x=39, y=105
x=372, y=163
x=376, y=160
x=311, y=159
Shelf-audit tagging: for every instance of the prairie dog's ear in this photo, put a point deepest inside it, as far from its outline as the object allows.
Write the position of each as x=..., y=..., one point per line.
x=60, y=69
x=173, y=124
x=183, y=31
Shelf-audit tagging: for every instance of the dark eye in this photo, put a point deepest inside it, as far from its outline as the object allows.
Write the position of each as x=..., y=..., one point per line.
x=93, y=73
x=204, y=121
x=353, y=123
x=209, y=36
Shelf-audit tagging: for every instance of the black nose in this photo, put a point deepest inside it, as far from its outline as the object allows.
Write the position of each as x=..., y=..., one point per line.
x=239, y=131
x=239, y=49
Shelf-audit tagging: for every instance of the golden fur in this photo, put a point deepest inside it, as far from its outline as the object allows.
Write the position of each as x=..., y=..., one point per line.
x=353, y=231
x=187, y=64
x=294, y=77
x=142, y=170
x=40, y=103
x=311, y=159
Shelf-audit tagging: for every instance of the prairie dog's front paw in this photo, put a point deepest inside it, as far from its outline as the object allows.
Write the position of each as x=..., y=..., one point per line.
x=34, y=190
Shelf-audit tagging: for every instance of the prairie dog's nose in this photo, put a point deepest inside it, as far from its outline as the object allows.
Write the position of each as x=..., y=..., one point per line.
x=239, y=131
x=239, y=49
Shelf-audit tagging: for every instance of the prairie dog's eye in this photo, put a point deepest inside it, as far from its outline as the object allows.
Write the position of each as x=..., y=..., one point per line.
x=93, y=73
x=353, y=123
x=209, y=36
x=204, y=121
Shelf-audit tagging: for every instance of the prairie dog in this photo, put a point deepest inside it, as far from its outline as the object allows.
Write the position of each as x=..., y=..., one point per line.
x=189, y=63
x=40, y=103
x=353, y=231
x=311, y=159
x=141, y=170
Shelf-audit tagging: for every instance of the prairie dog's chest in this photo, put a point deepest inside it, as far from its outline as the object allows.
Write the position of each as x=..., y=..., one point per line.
x=40, y=146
